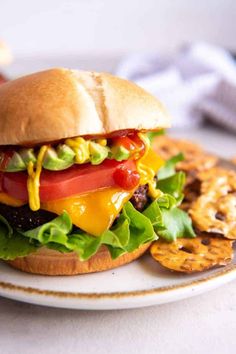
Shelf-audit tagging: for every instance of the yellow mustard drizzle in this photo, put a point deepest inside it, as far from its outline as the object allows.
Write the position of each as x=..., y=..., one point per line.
x=80, y=147
x=33, y=182
x=147, y=174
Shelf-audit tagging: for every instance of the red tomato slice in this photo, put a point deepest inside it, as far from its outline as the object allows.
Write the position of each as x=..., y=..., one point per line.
x=1, y=181
x=62, y=184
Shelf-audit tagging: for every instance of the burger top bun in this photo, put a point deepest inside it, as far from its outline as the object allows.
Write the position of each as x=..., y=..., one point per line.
x=60, y=103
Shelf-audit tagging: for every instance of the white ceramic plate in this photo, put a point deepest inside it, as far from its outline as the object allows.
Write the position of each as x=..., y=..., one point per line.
x=141, y=283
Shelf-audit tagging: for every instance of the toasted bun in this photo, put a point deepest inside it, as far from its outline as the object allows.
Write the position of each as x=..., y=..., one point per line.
x=50, y=262
x=61, y=103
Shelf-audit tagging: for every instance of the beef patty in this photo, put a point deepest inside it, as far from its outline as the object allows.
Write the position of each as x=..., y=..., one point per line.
x=23, y=218
x=140, y=197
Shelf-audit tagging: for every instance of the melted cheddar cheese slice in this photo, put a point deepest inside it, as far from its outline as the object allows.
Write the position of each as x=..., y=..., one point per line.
x=93, y=212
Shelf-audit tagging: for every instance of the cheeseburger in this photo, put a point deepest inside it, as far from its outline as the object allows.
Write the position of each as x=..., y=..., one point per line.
x=79, y=189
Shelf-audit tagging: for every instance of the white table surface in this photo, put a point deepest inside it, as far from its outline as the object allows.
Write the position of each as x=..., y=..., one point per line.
x=203, y=324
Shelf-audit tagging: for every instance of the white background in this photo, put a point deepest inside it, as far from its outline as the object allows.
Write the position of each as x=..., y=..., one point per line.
x=114, y=26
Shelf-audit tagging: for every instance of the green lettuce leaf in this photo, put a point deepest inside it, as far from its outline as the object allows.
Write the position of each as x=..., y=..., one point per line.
x=13, y=244
x=140, y=228
x=53, y=231
x=175, y=223
x=132, y=230
x=173, y=185
x=169, y=222
x=169, y=168
x=152, y=135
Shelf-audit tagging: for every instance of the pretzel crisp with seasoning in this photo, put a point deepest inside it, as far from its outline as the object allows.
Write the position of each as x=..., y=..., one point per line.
x=218, y=181
x=193, y=255
x=215, y=213
x=215, y=179
x=168, y=147
x=215, y=209
x=196, y=159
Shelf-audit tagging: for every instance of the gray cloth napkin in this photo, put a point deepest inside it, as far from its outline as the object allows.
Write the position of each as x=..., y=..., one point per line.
x=197, y=82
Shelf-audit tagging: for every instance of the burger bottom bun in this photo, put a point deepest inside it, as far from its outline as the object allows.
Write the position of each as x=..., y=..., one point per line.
x=50, y=262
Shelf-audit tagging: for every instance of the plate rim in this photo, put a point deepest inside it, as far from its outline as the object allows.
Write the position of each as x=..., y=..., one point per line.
x=7, y=286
